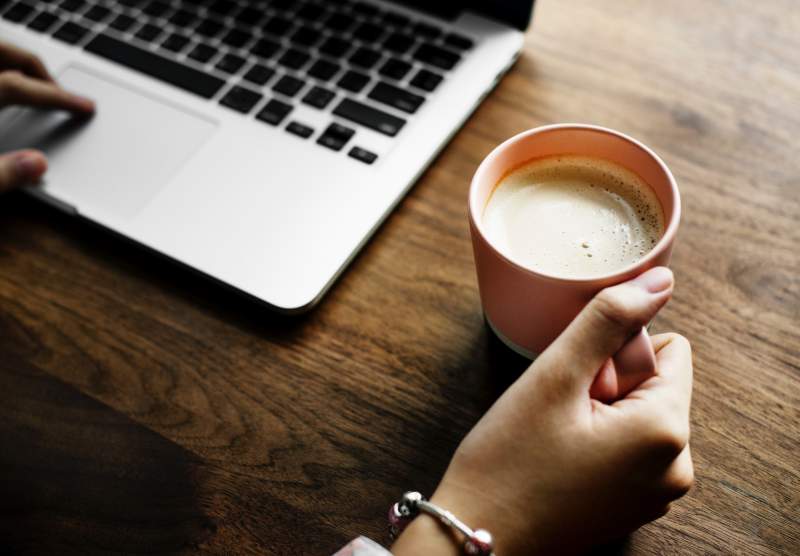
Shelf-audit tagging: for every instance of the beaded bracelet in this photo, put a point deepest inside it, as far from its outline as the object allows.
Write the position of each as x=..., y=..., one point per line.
x=476, y=543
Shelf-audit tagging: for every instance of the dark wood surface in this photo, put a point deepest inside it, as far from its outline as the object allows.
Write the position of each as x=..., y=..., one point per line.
x=146, y=410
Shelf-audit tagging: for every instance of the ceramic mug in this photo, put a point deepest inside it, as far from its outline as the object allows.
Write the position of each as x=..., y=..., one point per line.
x=527, y=309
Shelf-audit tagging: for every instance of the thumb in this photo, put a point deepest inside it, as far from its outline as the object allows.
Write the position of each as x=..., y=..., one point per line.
x=610, y=319
x=20, y=168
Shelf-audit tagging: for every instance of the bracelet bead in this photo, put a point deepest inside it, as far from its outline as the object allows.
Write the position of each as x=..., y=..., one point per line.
x=479, y=544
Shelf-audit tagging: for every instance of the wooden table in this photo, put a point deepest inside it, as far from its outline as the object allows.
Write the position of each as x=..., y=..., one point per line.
x=144, y=409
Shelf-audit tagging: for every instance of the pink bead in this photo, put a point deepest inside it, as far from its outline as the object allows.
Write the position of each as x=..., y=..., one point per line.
x=397, y=521
x=479, y=544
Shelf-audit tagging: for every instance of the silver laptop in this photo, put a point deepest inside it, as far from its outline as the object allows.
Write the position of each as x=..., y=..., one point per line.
x=260, y=142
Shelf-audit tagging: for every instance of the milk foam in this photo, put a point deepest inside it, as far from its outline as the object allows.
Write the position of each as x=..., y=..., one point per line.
x=573, y=216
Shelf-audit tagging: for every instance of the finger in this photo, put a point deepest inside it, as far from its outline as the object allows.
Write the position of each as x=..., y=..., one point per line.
x=16, y=88
x=679, y=478
x=606, y=323
x=14, y=58
x=21, y=168
x=671, y=388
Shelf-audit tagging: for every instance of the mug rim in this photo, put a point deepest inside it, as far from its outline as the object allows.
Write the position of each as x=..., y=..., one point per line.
x=476, y=213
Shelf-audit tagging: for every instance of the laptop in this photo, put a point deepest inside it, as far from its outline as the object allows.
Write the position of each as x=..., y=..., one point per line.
x=260, y=142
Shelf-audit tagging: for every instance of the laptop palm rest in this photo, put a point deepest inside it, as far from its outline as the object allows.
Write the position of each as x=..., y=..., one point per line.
x=115, y=161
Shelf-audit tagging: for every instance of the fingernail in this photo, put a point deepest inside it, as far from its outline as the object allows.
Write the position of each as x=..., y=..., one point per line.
x=30, y=166
x=655, y=280
x=86, y=104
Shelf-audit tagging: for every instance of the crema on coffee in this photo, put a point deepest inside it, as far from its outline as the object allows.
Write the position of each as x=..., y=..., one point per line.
x=573, y=216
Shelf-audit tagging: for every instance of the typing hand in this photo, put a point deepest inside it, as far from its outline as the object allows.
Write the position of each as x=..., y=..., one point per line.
x=548, y=470
x=25, y=81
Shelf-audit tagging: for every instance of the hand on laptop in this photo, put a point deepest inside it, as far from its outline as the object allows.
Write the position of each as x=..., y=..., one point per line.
x=25, y=81
x=548, y=470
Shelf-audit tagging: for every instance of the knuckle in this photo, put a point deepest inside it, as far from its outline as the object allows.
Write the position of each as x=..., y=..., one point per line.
x=681, y=483
x=667, y=435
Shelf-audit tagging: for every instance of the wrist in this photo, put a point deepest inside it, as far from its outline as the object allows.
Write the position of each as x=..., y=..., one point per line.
x=514, y=530
x=426, y=535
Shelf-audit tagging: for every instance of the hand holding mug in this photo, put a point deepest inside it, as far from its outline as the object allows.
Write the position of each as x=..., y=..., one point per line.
x=548, y=469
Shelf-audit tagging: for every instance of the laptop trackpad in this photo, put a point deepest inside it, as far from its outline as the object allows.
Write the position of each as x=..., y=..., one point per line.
x=119, y=159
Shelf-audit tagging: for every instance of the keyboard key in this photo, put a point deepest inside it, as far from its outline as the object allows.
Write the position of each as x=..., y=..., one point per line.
x=398, y=42
x=323, y=70
x=365, y=57
x=282, y=5
x=222, y=7
x=436, y=56
x=368, y=32
x=274, y=112
x=396, y=97
x=182, y=18
x=306, y=36
x=288, y=85
x=336, y=136
x=311, y=12
x=426, y=80
x=156, y=66
x=335, y=47
x=259, y=74
x=427, y=31
x=43, y=21
x=300, y=130
x=363, y=155
x=278, y=26
x=249, y=16
x=209, y=28
x=70, y=33
x=318, y=97
x=294, y=59
x=340, y=22
x=369, y=117
x=202, y=53
x=156, y=8
x=97, y=13
x=395, y=68
x=236, y=38
x=148, y=32
x=266, y=48
x=458, y=41
x=230, y=63
x=73, y=6
x=240, y=99
x=175, y=42
x=18, y=12
x=122, y=22
x=353, y=81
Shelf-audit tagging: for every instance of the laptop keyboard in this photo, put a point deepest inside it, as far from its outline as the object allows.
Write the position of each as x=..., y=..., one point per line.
x=365, y=65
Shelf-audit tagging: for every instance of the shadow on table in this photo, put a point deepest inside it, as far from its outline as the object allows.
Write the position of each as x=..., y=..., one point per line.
x=78, y=477
x=20, y=213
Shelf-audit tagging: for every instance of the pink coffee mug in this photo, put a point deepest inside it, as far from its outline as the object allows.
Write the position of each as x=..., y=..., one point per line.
x=527, y=309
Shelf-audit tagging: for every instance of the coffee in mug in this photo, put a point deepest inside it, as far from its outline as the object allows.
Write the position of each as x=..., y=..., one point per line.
x=573, y=216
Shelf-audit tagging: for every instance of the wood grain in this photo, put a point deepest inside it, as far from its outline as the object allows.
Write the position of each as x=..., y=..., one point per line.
x=147, y=410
